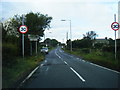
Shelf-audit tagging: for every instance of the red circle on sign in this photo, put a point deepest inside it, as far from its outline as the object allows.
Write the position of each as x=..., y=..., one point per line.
x=115, y=26
x=23, y=29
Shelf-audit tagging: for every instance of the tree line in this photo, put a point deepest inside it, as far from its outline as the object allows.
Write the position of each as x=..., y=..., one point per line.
x=88, y=43
x=12, y=39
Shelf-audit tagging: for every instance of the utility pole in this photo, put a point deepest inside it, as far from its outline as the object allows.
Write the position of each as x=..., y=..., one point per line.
x=70, y=35
x=66, y=36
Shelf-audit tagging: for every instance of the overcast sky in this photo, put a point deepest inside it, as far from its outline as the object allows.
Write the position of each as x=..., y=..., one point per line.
x=85, y=15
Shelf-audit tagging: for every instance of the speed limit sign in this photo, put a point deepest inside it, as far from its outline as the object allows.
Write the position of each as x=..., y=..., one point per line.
x=23, y=29
x=115, y=26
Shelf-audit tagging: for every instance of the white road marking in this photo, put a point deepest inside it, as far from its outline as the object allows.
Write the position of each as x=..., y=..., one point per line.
x=77, y=74
x=32, y=72
x=66, y=63
x=41, y=65
x=57, y=54
x=28, y=76
x=72, y=68
x=104, y=68
x=83, y=60
x=47, y=69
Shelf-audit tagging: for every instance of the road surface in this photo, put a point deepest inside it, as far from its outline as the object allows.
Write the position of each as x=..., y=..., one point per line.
x=62, y=70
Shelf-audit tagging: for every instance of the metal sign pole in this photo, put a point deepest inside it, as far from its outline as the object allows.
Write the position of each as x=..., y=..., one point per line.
x=23, y=38
x=115, y=46
x=115, y=38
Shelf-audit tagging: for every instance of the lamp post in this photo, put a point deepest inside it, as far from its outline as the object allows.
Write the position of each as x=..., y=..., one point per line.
x=70, y=35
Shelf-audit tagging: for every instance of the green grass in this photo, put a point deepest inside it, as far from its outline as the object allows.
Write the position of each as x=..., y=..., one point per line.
x=102, y=58
x=11, y=75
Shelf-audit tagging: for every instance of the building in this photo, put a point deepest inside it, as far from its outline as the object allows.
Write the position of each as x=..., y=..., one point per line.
x=119, y=19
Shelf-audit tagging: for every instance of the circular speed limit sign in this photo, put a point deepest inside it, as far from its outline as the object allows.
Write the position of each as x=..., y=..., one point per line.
x=115, y=26
x=23, y=29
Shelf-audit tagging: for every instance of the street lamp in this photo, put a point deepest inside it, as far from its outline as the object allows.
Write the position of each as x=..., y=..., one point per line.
x=70, y=35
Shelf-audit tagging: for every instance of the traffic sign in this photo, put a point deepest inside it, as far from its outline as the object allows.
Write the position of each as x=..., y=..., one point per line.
x=23, y=29
x=115, y=26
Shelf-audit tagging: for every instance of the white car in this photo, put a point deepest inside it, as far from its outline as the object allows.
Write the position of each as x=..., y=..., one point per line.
x=44, y=50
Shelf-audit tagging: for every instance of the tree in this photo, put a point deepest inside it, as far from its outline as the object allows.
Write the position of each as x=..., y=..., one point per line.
x=37, y=23
x=90, y=35
x=54, y=42
x=68, y=43
x=83, y=43
x=11, y=26
x=51, y=42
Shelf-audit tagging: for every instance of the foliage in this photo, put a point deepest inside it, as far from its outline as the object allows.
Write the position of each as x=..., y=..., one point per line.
x=37, y=23
x=90, y=35
x=98, y=45
x=68, y=44
x=9, y=54
x=51, y=42
x=14, y=75
x=86, y=42
x=11, y=26
x=83, y=43
x=85, y=50
x=12, y=39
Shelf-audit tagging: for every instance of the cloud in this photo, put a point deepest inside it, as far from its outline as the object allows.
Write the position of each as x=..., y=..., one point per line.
x=85, y=15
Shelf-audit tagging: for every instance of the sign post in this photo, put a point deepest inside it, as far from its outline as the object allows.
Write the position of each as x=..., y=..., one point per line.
x=115, y=26
x=23, y=29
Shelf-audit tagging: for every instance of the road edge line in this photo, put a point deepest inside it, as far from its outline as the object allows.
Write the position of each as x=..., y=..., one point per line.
x=28, y=76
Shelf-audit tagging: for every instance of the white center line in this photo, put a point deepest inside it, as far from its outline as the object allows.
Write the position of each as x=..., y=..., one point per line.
x=72, y=68
x=66, y=63
x=77, y=74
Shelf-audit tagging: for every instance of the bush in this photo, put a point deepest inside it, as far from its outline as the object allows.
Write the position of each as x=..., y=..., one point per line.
x=85, y=50
x=9, y=53
x=108, y=49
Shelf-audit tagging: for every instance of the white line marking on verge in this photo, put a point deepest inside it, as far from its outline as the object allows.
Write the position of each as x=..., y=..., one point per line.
x=32, y=72
x=28, y=76
x=104, y=68
x=77, y=74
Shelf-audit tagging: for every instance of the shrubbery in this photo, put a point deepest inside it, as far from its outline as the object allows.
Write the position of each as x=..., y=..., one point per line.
x=9, y=52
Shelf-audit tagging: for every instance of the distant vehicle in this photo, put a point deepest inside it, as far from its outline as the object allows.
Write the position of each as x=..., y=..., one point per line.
x=44, y=50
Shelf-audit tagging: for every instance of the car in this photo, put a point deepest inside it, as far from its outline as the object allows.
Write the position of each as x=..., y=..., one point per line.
x=44, y=50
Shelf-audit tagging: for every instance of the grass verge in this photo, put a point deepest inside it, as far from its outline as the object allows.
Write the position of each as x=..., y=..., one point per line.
x=14, y=74
x=105, y=59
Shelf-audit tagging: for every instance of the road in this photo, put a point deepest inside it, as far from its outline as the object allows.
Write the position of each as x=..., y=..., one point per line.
x=62, y=70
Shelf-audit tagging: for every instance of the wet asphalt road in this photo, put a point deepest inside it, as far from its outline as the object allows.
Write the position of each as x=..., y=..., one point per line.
x=62, y=70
